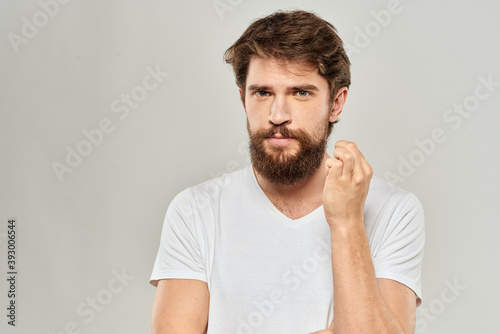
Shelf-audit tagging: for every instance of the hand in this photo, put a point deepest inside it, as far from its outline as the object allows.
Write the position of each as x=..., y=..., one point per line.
x=348, y=177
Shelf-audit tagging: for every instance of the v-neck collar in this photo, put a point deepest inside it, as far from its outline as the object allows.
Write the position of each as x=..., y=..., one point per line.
x=274, y=209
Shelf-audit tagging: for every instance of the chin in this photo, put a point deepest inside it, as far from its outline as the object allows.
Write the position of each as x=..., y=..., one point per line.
x=281, y=156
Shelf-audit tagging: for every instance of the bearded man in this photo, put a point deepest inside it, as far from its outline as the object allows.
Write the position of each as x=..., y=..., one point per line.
x=299, y=241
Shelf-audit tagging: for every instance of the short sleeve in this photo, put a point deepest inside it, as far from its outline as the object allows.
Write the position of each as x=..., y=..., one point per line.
x=401, y=251
x=179, y=253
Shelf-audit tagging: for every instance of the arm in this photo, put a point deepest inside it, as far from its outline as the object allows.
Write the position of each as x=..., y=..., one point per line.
x=362, y=304
x=180, y=306
x=399, y=298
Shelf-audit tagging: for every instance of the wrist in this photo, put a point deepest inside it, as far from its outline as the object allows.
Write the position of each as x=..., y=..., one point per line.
x=345, y=222
x=347, y=229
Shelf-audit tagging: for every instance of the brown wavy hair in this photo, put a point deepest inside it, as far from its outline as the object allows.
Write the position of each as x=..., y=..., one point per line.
x=292, y=36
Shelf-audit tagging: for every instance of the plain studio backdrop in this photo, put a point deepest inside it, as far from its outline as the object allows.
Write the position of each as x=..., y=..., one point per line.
x=110, y=108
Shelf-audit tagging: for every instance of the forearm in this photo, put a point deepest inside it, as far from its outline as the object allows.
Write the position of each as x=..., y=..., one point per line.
x=359, y=306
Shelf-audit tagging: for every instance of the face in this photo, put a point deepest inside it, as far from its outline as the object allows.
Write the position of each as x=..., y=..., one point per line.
x=288, y=111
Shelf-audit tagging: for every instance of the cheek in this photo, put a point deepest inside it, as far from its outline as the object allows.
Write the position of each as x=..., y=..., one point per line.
x=253, y=120
x=256, y=113
x=317, y=124
x=308, y=120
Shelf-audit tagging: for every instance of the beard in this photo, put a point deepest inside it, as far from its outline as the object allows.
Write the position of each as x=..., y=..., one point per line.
x=281, y=167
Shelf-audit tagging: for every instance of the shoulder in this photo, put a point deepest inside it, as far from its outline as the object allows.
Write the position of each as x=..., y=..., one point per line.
x=383, y=193
x=390, y=206
x=225, y=182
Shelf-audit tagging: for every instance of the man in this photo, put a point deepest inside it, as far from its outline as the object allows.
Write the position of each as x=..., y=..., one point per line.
x=299, y=242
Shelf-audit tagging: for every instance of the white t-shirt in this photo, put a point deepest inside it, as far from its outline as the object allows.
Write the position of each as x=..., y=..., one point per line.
x=267, y=273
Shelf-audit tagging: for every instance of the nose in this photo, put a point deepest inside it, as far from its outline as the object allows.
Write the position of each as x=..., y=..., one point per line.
x=280, y=112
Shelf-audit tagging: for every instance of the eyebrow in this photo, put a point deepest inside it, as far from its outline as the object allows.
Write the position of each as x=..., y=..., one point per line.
x=255, y=88
x=305, y=87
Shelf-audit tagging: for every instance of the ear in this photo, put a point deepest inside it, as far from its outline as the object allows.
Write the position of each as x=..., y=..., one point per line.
x=338, y=103
x=242, y=99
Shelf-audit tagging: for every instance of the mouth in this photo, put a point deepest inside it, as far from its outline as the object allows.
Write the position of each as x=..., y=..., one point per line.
x=279, y=135
x=279, y=139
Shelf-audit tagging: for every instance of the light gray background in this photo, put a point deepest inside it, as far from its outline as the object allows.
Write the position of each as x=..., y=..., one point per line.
x=107, y=213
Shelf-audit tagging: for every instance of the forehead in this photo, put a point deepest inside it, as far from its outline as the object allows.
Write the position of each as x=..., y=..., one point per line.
x=269, y=71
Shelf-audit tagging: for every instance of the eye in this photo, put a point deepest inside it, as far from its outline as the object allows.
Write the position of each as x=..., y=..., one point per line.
x=261, y=93
x=303, y=93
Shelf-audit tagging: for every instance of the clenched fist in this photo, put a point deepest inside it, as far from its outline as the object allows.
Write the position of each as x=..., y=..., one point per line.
x=348, y=177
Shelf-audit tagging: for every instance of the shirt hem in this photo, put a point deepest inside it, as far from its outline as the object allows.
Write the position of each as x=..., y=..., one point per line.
x=403, y=280
x=155, y=277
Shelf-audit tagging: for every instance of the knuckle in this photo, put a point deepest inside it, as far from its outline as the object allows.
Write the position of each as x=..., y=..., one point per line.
x=341, y=143
x=358, y=179
x=352, y=146
x=348, y=156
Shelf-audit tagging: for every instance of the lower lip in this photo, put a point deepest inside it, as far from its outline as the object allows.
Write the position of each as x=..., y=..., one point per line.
x=280, y=141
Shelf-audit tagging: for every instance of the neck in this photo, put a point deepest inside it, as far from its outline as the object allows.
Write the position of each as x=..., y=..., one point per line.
x=308, y=190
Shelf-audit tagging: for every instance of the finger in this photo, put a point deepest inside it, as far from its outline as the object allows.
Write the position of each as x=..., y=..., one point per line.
x=365, y=165
x=358, y=165
x=347, y=158
x=334, y=168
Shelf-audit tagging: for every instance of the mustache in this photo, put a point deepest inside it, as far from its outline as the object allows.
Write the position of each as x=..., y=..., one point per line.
x=259, y=135
x=281, y=129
